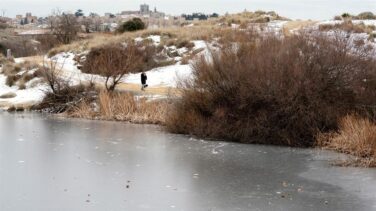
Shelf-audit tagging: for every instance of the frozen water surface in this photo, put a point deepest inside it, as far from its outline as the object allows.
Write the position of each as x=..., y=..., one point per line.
x=49, y=164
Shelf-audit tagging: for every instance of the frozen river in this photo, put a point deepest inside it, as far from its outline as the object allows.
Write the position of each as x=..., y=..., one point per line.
x=49, y=164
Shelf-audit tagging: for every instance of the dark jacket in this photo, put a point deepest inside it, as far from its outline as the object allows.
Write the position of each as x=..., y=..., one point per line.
x=143, y=78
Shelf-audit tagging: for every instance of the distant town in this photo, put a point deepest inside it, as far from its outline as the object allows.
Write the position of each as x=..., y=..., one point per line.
x=30, y=24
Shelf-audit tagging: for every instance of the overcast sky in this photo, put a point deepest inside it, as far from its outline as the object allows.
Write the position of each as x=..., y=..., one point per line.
x=295, y=9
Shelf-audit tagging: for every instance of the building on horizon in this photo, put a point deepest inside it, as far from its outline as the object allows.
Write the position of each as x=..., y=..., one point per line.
x=144, y=12
x=144, y=9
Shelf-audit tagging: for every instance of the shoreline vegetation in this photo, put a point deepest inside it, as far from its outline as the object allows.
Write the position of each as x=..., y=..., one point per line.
x=300, y=88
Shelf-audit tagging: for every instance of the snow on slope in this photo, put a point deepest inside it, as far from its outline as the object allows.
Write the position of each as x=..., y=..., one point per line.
x=333, y=22
x=33, y=94
x=167, y=76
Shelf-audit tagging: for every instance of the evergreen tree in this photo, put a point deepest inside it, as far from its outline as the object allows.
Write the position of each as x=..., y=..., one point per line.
x=79, y=13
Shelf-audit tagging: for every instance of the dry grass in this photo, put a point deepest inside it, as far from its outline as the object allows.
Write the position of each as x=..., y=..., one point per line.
x=349, y=27
x=83, y=110
x=206, y=32
x=11, y=69
x=3, y=59
x=296, y=26
x=357, y=137
x=243, y=18
x=122, y=107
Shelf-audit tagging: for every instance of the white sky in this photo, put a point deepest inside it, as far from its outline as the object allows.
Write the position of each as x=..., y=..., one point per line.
x=295, y=9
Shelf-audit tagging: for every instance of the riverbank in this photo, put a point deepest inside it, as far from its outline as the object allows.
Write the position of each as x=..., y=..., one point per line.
x=243, y=83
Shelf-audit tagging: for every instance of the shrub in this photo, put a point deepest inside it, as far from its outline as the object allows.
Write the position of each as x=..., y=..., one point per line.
x=51, y=73
x=26, y=77
x=67, y=98
x=113, y=62
x=346, y=15
x=372, y=37
x=47, y=42
x=12, y=79
x=274, y=91
x=64, y=27
x=366, y=15
x=132, y=25
x=356, y=136
x=185, y=43
x=3, y=26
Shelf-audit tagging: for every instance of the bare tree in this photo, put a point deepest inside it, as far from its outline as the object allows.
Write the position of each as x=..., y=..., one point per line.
x=52, y=73
x=113, y=62
x=87, y=22
x=97, y=22
x=64, y=26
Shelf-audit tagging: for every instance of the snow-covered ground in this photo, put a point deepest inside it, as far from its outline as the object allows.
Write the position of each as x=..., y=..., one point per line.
x=167, y=76
x=33, y=94
x=164, y=76
x=365, y=22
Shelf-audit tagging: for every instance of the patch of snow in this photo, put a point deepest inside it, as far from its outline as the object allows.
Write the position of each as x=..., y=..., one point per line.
x=155, y=38
x=235, y=26
x=182, y=51
x=66, y=61
x=190, y=25
x=29, y=96
x=33, y=32
x=138, y=39
x=199, y=44
x=276, y=25
x=19, y=60
x=334, y=22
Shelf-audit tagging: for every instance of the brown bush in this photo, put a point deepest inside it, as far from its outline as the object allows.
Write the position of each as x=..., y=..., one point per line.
x=146, y=52
x=26, y=77
x=66, y=98
x=12, y=79
x=47, y=42
x=274, y=91
x=21, y=85
x=356, y=136
x=52, y=74
x=113, y=62
x=185, y=43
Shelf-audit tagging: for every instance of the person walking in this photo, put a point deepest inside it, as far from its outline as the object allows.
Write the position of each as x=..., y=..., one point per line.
x=144, y=77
